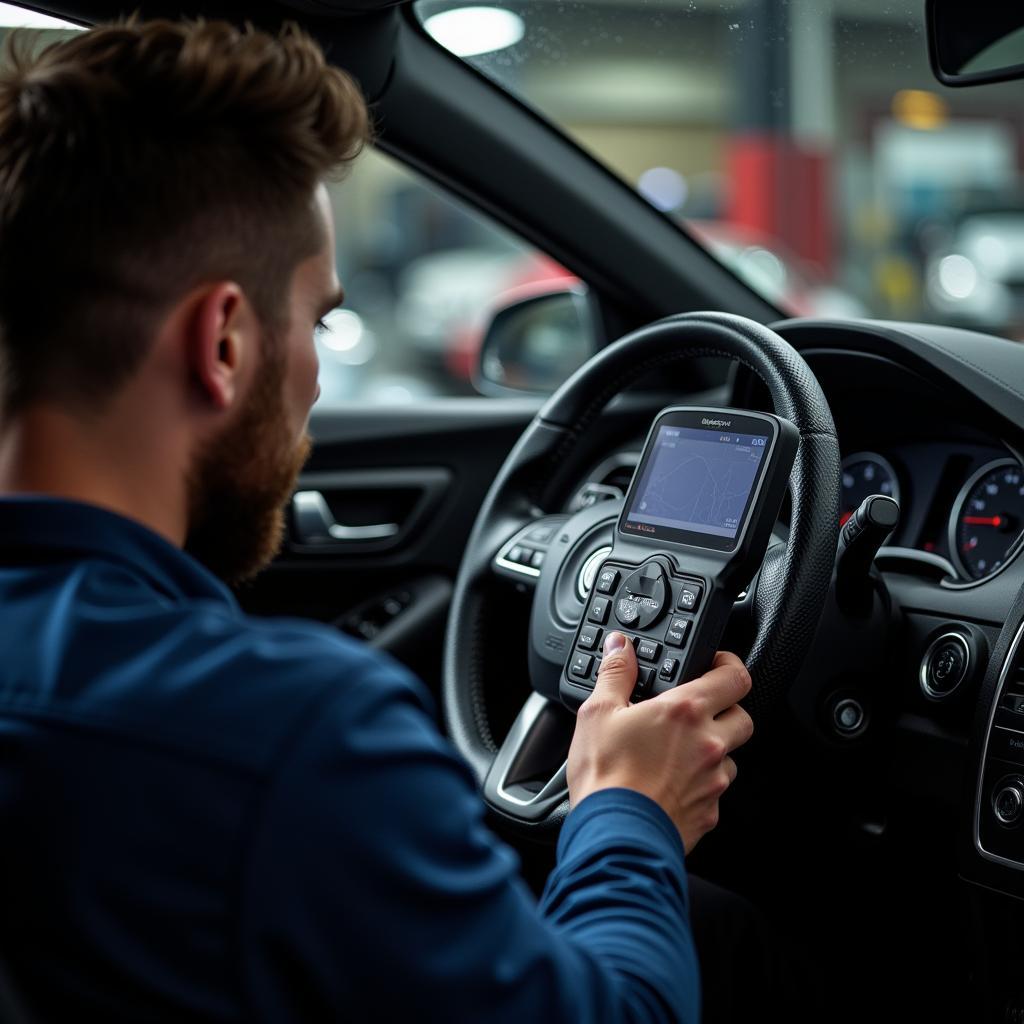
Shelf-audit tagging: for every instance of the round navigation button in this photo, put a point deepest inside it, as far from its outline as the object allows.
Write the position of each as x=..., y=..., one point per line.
x=647, y=591
x=627, y=612
x=1008, y=803
x=945, y=665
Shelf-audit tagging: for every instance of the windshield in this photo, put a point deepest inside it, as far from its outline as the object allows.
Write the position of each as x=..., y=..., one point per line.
x=805, y=143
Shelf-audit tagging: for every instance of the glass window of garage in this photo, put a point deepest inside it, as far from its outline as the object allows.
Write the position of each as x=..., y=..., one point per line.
x=804, y=142
x=423, y=273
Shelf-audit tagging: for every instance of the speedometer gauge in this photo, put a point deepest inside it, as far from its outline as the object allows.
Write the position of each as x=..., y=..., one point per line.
x=865, y=474
x=987, y=518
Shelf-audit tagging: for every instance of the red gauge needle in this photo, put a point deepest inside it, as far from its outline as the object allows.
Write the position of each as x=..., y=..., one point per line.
x=984, y=520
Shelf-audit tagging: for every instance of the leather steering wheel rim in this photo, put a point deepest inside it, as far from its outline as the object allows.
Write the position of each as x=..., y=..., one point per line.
x=794, y=578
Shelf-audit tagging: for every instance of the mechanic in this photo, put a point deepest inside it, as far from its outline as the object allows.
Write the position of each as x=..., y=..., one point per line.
x=208, y=816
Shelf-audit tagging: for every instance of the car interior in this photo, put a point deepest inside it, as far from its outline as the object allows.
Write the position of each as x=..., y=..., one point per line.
x=487, y=399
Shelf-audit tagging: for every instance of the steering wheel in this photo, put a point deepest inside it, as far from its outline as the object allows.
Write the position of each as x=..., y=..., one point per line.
x=518, y=779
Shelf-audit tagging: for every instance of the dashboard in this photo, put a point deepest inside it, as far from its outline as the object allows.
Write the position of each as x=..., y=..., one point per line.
x=962, y=503
x=959, y=501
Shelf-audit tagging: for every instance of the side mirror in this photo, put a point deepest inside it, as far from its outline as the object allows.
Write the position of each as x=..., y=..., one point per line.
x=972, y=44
x=535, y=342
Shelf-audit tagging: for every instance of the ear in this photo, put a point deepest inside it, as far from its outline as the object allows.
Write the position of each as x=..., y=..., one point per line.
x=217, y=343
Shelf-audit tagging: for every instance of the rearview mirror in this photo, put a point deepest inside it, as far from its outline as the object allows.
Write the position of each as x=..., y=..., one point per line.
x=535, y=343
x=971, y=44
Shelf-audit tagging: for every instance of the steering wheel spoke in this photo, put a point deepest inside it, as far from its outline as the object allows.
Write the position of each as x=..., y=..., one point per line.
x=527, y=780
x=522, y=556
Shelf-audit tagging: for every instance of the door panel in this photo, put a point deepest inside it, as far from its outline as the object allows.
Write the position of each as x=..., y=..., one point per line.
x=424, y=468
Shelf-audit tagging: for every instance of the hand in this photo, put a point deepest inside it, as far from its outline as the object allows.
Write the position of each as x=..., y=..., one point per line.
x=673, y=748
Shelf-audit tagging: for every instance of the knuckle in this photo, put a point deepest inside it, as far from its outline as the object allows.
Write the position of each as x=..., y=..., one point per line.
x=748, y=726
x=713, y=749
x=593, y=707
x=686, y=709
x=743, y=680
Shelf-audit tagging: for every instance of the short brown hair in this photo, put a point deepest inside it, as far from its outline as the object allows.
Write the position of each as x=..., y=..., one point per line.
x=140, y=159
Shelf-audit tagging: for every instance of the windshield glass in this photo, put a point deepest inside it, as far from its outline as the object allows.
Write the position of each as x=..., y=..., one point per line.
x=805, y=143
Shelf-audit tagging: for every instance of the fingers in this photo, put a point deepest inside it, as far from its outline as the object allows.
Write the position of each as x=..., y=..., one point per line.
x=734, y=727
x=727, y=682
x=727, y=658
x=617, y=676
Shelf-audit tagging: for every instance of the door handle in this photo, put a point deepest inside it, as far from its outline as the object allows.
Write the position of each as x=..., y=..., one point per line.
x=314, y=523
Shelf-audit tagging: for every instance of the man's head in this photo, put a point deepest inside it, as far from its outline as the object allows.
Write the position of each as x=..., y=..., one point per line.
x=163, y=218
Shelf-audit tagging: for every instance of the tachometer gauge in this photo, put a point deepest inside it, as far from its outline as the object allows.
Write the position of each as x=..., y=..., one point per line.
x=864, y=474
x=987, y=518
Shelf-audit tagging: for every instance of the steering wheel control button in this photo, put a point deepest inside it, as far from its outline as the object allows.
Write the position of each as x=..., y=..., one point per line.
x=627, y=612
x=648, y=650
x=541, y=534
x=590, y=637
x=581, y=665
x=599, y=610
x=945, y=666
x=678, y=631
x=849, y=717
x=537, y=559
x=668, y=670
x=607, y=581
x=647, y=591
x=1008, y=802
x=515, y=554
x=689, y=597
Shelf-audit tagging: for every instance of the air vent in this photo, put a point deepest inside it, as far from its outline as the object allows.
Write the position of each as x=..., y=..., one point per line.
x=1012, y=698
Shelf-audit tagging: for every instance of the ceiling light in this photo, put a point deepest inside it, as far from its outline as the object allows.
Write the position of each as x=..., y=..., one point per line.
x=12, y=16
x=662, y=187
x=958, y=276
x=467, y=31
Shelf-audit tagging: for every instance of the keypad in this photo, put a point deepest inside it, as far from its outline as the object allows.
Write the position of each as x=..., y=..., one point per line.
x=655, y=609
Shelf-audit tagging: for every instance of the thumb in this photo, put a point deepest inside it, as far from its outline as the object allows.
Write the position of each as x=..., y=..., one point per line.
x=617, y=676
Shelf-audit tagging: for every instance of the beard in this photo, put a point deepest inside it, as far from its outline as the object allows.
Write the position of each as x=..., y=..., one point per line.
x=241, y=480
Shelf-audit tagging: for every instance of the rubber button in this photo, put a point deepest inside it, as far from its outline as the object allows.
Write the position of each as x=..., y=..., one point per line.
x=599, y=610
x=581, y=665
x=678, y=631
x=689, y=597
x=648, y=650
x=668, y=669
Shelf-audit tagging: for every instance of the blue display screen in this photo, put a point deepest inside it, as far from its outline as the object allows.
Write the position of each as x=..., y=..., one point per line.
x=696, y=480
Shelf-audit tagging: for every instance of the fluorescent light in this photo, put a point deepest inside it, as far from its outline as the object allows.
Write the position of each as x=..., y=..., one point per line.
x=958, y=276
x=662, y=187
x=12, y=16
x=467, y=31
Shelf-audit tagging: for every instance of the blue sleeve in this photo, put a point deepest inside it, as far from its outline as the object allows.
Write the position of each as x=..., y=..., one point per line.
x=373, y=889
